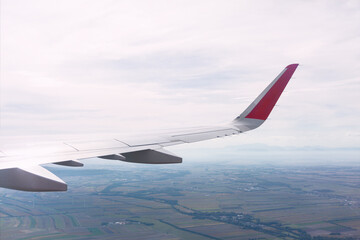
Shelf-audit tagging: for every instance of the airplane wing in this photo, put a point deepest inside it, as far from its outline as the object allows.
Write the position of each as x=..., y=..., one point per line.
x=20, y=168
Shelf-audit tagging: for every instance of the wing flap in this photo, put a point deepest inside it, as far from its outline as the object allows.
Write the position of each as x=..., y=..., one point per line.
x=159, y=156
x=70, y=163
x=34, y=179
x=117, y=157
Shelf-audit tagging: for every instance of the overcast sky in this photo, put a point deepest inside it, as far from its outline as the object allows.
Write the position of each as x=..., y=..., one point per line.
x=70, y=67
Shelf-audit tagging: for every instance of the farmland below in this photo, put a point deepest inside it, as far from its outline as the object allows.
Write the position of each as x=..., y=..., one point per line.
x=189, y=201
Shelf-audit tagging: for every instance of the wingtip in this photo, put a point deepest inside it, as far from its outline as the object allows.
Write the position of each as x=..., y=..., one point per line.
x=294, y=65
x=262, y=106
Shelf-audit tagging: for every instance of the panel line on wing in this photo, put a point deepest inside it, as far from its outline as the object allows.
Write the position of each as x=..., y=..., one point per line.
x=122, y=142
x=71, y=146
x=149, y=144
x=213, y=131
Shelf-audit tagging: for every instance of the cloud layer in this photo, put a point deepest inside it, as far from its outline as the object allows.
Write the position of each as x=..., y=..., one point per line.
x=114, y=66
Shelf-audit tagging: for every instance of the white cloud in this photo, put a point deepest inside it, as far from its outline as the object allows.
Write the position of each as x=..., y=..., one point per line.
x=96, y=66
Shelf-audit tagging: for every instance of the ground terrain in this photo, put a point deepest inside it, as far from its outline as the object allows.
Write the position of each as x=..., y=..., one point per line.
x=189, y=201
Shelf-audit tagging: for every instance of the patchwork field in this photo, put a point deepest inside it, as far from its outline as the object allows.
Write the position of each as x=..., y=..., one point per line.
x=129, y=201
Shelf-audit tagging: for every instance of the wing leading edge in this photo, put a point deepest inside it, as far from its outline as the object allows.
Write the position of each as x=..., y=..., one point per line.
x=22, y=171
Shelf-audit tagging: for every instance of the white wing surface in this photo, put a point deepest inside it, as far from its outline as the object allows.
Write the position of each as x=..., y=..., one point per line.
x=20, y=167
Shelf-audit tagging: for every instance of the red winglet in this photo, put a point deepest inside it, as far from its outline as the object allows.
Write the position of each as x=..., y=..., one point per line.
x=262, y=110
